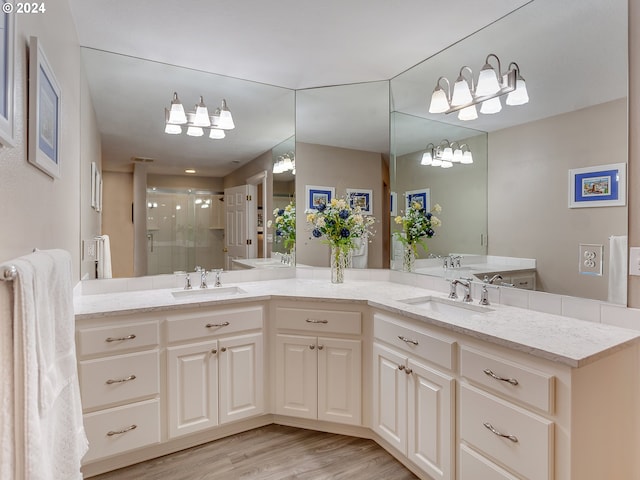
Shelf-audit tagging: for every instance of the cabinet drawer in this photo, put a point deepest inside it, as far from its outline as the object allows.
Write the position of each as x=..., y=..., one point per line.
x=529, y=452
x=516, y=381
x=117, y=338
x=324, y=321
x=435, y=349
x=119, y=378
x=121, y=429
x=201, y=325
x=474, y=466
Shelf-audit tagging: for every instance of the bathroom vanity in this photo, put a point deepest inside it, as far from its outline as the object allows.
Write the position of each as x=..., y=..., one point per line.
x=453, y=390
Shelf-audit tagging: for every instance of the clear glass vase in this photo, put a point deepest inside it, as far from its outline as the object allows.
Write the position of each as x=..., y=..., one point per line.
x=340, y=261
x=292, y=256
x=408, y=258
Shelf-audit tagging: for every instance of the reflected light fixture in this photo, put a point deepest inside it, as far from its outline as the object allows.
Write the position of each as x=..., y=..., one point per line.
x=491, y=85
x=446, y=154
x=196, y=121
x=285, y=163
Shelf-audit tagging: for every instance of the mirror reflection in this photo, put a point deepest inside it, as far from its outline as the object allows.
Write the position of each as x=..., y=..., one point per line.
x=576, y=117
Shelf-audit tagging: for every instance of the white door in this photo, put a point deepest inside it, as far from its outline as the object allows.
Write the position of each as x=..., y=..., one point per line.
x=193, y=387
x=339, y=380
x=241, y=377
x=390, y=396
x=241, y=231
x=296, y=376
x=431, y=409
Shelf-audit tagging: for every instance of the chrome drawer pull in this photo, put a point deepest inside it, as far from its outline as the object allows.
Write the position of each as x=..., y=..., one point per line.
x=311, y=320
x=120, y=339
x=124, y=430
x=407, y=340
x=211, y=325
x=121, y=380
x=513, y=438
x=512, y=381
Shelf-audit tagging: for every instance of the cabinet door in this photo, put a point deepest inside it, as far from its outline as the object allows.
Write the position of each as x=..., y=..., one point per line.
x=193, y=387
x=431, y=401
x=296, y=376
x=390, y=396
x=339, y=380
x=241, y=377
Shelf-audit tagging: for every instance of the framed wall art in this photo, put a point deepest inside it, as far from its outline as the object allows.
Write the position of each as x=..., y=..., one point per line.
x=361, y=198
x=423, y=197
x=393, y=204
x=7, y=54
x=44, y=112
x=316, y=195
x=600, y=186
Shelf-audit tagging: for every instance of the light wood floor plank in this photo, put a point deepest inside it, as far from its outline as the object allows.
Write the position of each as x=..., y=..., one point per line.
x=274, y=452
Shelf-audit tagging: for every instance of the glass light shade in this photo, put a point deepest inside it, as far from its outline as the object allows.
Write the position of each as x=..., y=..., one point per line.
x=519, y=96
x=287, y=164
x=195, y=131
x=201, y=118
x=427, y=158
x=467, y=158
x=447, y=154
x=226, y=120
x=176, y=114
x=217, y=134
x=172, y=129
x=446, y=164
x=439, y=101
x=493, y=105
x=468, y=113
x=461, y=92
x=437, y=162
x=457, y=155
x=487, y=81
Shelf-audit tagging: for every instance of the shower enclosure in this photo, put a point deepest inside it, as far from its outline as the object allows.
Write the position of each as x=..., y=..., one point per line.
x=185, y=229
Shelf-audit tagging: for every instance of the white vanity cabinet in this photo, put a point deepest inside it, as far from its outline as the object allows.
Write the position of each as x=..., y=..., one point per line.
x=215, y=365
x=318, y=363
x=118, y=369
x=414, y=393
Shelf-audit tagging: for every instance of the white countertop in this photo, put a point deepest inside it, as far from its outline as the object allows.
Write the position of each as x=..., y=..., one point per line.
x=560, y=339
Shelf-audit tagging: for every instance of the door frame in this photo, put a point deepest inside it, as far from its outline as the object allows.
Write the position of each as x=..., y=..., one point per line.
x=261, y=179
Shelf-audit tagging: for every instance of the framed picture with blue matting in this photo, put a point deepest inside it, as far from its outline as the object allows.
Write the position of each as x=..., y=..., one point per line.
x=599, y=186
x=316, y=195
x=361, y=198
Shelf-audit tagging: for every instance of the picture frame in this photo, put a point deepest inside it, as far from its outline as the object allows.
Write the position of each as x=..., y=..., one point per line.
x=7, y=91
x=598, y=186
x=44, y=112
x=422, y=196
x=361, y=198
x=315, y=195
x=94, y=189
x=393, y=204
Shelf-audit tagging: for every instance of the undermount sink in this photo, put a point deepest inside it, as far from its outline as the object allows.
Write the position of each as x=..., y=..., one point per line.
x=449, y=308
x=208, y=292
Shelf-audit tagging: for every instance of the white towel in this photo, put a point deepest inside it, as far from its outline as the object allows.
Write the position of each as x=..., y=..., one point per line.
x=618, y=269
x=104, y=257
x=7, y=437
x=49, y=438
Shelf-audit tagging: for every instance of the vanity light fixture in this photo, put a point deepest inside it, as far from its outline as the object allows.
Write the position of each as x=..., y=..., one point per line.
x=285, y=163
x=175, y=118
x=491, y=85
x=446, y=154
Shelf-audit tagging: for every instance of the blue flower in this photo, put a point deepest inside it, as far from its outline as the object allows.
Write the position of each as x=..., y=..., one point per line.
x=317, y=233
x=278, y=232
x=321, y=207
x=428, y=215
x=281, y=211
x=344, y=233
x=430, y=232
x=344, y=214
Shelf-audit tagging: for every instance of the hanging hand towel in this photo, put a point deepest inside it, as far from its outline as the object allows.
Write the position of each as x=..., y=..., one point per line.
x=104, y=257
x=618, y=269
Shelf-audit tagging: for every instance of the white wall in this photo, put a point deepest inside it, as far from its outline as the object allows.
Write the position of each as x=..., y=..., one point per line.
x=38, y=211
x=528, y=194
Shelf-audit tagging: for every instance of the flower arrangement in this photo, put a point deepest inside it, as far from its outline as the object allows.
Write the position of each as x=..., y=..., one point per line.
x=339, y=224
x=285, y=224
x=417, y=224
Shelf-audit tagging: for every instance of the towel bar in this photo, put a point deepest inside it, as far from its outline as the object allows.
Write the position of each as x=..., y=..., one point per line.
x=9, y=273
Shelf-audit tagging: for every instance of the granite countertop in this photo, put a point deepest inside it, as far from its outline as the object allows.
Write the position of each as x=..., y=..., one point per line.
x=560, y=339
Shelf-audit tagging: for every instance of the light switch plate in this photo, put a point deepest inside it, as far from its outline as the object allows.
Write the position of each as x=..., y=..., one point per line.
x=590, y=260
x=634, y=261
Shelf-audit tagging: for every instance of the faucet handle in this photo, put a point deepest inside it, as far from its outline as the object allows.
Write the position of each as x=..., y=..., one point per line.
x=218, y=272
x=484, y=296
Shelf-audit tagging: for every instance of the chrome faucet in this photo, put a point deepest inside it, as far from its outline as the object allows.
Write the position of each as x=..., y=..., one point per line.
x=484, y=296
x=491, y=280
x=218, y=272
x=187, y=282
x=467, y=289
x=203, y=276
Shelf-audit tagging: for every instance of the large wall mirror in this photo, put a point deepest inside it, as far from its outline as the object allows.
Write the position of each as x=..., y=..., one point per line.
x=184, y=211
x=573, y=56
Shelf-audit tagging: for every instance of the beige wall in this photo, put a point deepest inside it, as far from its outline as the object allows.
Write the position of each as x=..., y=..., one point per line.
x=633, y=287
x=341, y=168
x=37, y=210
x=528, y=197
x=117, y=200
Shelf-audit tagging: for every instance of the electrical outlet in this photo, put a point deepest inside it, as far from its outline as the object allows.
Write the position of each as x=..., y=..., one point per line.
x=89, y=249
x=590, y=259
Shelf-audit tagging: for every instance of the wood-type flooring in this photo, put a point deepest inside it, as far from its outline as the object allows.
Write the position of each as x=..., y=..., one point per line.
x=274, y=452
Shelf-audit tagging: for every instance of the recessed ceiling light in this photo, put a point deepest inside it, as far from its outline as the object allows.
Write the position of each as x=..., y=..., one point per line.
x=189, y=170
